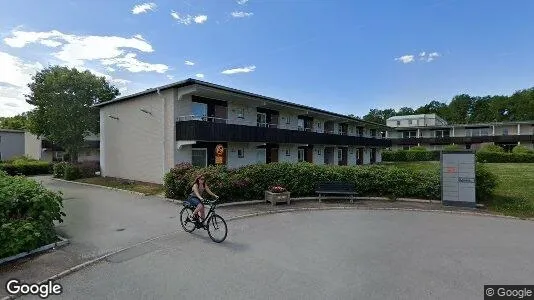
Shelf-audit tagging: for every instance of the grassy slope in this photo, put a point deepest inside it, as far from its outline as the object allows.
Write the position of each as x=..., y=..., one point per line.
x=514, y=193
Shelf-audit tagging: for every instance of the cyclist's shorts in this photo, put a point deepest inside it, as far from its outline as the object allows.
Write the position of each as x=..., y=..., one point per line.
x=193, y=201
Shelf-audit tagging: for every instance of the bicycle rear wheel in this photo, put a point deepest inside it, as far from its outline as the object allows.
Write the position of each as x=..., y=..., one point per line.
x=187, y=225
x=217, y=228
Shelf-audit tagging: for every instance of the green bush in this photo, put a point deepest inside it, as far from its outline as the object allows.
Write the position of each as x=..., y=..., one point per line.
x=520, y=149
x=452, y=148
x=410, y=155
x=418, y=148
x=496, y=157
x=491, y=148
x=27, y=214
x=301, y=179
x=26, y=167
x=69, y=171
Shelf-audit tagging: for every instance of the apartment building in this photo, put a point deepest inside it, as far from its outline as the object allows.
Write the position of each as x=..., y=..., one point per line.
x=42, y=149
x=434, y=133
x=11, y=143
x=142, y=136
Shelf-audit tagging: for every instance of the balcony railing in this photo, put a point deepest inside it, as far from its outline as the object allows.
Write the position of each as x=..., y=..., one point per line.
x=463, y=139
x=200, y=130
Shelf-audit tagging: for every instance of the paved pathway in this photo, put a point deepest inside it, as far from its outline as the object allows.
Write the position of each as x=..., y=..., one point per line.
x=349, y=254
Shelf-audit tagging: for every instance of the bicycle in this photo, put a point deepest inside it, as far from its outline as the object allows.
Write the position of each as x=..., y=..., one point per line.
x=212, y=223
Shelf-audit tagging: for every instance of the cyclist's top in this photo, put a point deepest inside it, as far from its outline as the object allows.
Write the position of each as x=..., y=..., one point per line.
x=200, y=190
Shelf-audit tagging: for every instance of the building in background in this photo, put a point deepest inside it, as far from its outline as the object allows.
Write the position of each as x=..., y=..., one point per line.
x=434, y=133
x=11, y=144
x=42, y=149
x=144, y=135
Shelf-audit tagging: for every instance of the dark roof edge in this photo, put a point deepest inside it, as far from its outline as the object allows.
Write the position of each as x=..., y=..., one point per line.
x=191, y=81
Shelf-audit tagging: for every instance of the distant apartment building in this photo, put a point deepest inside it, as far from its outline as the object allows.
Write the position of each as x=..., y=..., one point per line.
x=144, y=135
x=434, y=133
x=11, y=144
x=42, y=149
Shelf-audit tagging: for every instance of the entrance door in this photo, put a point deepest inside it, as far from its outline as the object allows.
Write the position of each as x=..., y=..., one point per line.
x=261, y=156
x=220, y=114
x=273, y=155
x=199, y=157
x=359, y=156
x=301, y=155
x=373, y=155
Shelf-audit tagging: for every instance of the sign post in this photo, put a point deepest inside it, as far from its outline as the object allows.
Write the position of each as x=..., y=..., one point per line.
x=219, y=154
x=458, y=179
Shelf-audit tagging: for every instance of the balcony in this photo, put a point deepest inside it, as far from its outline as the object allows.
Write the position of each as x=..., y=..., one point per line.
x=463, y=139
x=211, y=130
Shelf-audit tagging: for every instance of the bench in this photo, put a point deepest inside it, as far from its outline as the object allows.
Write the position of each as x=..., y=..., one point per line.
x=336, y=188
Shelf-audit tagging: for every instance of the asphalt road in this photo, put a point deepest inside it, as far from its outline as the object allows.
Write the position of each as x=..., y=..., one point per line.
x=349, y=254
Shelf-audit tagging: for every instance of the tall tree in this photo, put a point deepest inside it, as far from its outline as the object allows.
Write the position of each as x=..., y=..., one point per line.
x=63, y=100
x=16, y=122
x=460, y=109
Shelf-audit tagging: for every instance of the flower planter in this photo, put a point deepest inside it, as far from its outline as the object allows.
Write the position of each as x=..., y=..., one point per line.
x=277, y=197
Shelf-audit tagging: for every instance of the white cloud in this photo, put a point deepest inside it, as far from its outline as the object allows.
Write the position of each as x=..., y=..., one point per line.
x=143, y=8
x=239, y=70
x=132, y=64
x=76, y=50
x=200, y=75
x=201, y=19
x=242, y=2
x=51, y=43
x=14, y=77
x=189, y=63
x=170, y=77
x=241, y=14
x=110, y=69
x=430, y=57
x=188, y=19
x=405, y=59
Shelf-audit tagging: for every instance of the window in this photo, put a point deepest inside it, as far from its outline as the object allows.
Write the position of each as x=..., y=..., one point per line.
x=199, y=157
x=288, y=152
x=301, y=155
x=442, y=133
x=0, y=156
x=505, y=131
x=240, y=112
x=288, y=120
x=199, y=111
x=319, y=152
x=373, y=132
x=241, y=153
x=360, y=131
x=414, y=122
x=262, y=119
x=300, y=124
x=339, y=154
x=409, y=134
x=398, y=123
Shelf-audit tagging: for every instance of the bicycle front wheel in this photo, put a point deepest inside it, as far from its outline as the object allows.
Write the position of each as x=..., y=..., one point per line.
x=217, y=228
x=187, y=225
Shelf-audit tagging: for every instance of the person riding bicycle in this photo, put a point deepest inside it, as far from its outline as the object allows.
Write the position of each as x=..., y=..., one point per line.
x=196, y=199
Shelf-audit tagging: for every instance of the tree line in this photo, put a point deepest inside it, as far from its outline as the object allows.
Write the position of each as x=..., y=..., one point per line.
x=466, y=109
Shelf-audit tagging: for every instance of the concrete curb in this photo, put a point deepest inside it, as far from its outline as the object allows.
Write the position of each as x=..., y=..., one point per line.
x=63, y=241
x=98, y=259
x=100, y=186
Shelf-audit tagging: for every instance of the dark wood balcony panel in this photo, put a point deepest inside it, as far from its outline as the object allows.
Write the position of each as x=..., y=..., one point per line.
x=208, y=131
x=463, y=140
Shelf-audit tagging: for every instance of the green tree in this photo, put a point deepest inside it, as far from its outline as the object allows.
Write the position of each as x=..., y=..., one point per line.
x=460, y=109
x=63, y=100
x=17, y=122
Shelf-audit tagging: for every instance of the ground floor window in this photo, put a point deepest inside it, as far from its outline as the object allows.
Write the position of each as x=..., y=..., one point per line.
x=199, y=157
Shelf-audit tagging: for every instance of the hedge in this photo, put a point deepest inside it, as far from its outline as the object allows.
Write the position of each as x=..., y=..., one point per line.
x=410, y=155
x=481, y=156
x=250, y=182
x=27, y=214
x=70, y=171
x=26, y=168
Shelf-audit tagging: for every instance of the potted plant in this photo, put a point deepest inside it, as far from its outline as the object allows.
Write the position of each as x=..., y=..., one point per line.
x=277, y=193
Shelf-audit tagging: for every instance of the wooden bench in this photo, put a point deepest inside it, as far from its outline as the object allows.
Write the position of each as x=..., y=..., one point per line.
x=336, y=188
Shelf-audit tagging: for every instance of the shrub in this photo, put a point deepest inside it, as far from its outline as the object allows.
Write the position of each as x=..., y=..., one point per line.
x=496, y=157
x=452, y=148
x=69, y=171
x=250, y=182
x=27, y=214
x=491, y=148
x=410, y=155
x=521, y=149
x=26, y=167
x=59, y=169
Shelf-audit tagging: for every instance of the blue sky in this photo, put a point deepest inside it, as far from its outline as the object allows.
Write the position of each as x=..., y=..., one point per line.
x=340, y=55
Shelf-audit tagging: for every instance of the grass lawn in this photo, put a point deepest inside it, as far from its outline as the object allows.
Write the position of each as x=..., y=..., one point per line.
x=514, y=194
x=136, y=186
